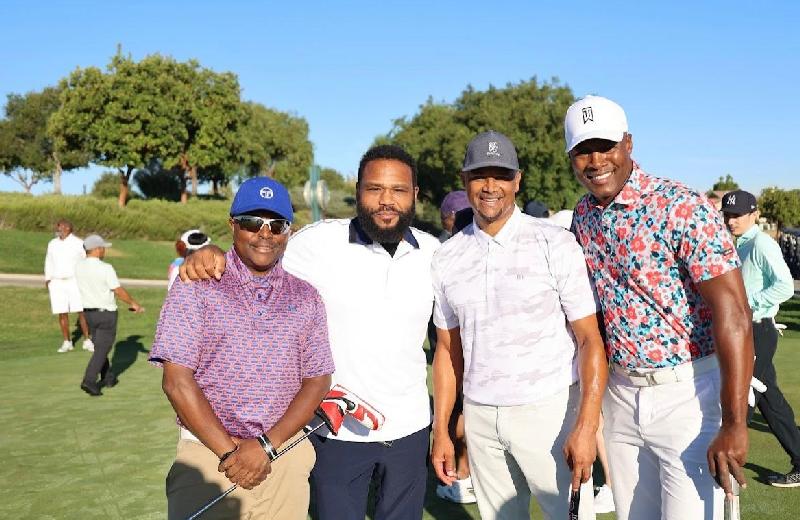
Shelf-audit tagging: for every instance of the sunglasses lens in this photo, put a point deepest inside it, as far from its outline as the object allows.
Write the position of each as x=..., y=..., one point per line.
x=253, y=224
x=278, y=226
x=250, y=223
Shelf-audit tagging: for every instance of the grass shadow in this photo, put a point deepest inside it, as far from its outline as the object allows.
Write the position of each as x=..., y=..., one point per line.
x=76, y=333
x=126, y=352
x=762, y=473
x=790, y=314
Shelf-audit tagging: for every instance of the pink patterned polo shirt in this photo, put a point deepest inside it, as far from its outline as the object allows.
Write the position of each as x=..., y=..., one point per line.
x=250, y=341
x=647, y=251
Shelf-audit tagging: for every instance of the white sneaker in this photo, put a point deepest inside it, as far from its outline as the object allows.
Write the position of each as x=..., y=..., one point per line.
x=604, y=500
x=88, y=345
x=65, y=347
x=460, y=492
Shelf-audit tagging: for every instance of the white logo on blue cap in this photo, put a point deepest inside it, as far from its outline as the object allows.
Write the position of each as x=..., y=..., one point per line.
x=494, y=149
x=731, y=200
x=266, y=193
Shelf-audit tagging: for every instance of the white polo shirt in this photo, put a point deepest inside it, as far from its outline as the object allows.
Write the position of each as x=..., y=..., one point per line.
x=378, y=308
x=512, y=295
x=62, y=256
x=96, y=281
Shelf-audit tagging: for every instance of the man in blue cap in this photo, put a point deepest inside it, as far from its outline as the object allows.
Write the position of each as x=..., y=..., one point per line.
x=374, y=275
x=246, y=362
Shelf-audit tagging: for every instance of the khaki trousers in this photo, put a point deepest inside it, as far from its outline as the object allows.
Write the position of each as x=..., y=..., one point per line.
x=194, y=480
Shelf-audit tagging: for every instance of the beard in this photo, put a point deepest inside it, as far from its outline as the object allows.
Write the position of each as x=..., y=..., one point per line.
x=382, y=235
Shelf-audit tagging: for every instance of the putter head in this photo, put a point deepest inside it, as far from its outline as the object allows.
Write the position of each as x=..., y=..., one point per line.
x=356, y=407
x=332, y=414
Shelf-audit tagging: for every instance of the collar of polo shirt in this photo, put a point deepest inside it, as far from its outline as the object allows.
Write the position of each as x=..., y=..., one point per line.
x=506, y=236
x=357, y=235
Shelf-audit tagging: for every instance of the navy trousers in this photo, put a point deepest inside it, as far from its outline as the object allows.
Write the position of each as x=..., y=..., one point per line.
x=773, y=406
x=340, y=480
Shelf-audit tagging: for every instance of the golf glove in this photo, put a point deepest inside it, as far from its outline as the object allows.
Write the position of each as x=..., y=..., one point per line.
x=755, y=386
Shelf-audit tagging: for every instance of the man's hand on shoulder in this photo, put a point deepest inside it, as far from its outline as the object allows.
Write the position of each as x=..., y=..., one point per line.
x=248, y=466
x=205, y=263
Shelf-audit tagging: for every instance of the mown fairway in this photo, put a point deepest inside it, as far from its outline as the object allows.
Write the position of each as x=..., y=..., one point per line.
x=68, y=455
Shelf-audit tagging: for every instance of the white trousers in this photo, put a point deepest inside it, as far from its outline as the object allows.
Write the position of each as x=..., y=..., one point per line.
x=656, y=440
x=515, y=452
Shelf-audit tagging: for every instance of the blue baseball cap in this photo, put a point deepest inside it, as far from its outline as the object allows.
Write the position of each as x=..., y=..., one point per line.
x=262, y=194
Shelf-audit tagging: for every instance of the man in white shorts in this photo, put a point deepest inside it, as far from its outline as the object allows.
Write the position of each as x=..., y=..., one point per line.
x=63, y=253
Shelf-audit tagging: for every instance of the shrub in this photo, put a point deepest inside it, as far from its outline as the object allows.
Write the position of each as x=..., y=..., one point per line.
x=106, y=186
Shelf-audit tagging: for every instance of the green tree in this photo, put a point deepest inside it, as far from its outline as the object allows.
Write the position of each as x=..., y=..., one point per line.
x=781, y=206
x=725, y=184
x=530, y=113
x=275, y=144
x=155, y=182
x=106, y=186
x=333, y=179
x=211, y=115
x=122, y=118
x=27, y=152
x=155, y=109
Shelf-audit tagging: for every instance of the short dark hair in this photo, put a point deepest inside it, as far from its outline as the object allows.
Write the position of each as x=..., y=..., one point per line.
x=389, y=152
x=65, y=222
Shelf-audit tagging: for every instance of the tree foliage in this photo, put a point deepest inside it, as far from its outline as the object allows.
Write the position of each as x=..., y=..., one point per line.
x=530, y=113
x=725, y=184
x=781, y=206
x=28, y=154
x=333, y=179
x=188, y=118
x=156, y=182
x=107, y=186
x=276, y=144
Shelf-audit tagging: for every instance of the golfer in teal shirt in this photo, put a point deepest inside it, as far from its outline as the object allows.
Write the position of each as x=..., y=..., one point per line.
x=768, y=283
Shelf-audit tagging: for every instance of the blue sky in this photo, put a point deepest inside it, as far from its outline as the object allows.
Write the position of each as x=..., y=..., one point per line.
x=710, y=88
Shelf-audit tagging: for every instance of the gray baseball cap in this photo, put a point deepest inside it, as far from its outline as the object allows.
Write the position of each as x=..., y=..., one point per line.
x=490, y=149
x=94, y=241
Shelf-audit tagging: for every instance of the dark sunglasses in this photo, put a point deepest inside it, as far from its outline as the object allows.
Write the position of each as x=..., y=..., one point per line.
x=253, y=224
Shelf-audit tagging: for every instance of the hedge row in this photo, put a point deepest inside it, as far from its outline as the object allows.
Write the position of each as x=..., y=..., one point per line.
x=143, y=219
x=159, y=219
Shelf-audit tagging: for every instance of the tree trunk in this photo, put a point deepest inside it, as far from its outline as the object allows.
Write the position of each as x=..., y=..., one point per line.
x=193, y=177
x=124, y=189
x=57, y=178
x=185, y=170
x=214, y=187
x=184, y=193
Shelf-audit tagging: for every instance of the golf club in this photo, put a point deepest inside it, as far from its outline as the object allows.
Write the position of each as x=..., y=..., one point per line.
x=574, y=503
x=732, y=504
x=338, y=403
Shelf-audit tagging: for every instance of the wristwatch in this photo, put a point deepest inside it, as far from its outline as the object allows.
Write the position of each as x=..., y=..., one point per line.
x=272, y=454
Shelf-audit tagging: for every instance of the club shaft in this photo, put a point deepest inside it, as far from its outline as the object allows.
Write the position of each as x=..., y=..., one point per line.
x=211, y=504
x=230, y=489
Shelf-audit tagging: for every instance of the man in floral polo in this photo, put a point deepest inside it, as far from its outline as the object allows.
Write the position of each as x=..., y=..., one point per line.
x=677, y=321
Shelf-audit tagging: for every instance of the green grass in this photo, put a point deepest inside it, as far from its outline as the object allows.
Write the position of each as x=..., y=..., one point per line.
x=67, y=455
x=131, y=258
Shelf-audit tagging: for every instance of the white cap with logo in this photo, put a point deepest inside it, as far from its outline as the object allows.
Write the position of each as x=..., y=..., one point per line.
x=594, y=117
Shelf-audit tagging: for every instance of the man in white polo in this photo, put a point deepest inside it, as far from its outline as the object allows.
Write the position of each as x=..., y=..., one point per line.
x=63, y=253
x=516, y=317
